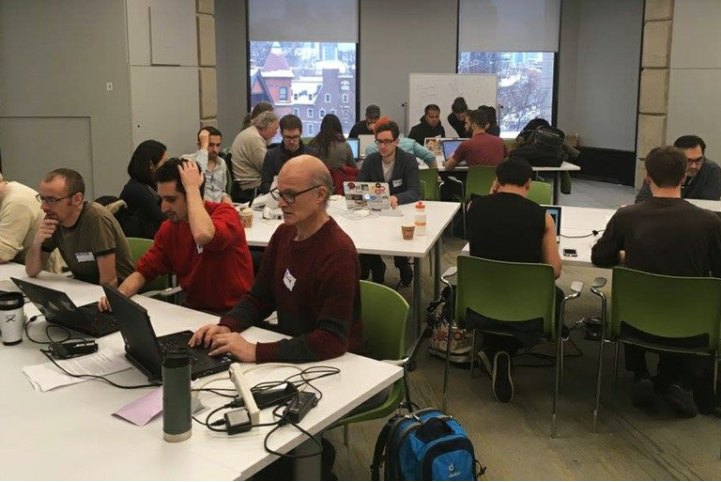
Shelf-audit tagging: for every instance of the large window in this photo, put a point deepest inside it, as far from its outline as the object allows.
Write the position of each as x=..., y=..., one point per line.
x=525, y=84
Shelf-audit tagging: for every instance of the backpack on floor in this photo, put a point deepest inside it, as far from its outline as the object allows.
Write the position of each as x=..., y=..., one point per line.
x=424, y=445
x=440, y=320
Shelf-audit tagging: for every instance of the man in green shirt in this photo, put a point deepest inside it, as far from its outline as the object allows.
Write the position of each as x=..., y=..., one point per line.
x=87, y=235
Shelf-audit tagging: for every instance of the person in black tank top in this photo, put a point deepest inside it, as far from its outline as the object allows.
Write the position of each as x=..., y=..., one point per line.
x=506, y=226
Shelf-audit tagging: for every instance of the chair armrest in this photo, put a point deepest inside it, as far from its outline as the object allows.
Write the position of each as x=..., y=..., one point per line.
x=596, y=286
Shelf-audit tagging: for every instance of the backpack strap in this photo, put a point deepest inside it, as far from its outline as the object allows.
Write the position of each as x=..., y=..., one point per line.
x=379, y=449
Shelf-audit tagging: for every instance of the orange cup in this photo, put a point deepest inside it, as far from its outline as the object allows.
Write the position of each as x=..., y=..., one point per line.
x=408, y=231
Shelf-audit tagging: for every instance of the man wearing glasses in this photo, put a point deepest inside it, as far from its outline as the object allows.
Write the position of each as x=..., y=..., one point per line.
x=20, y=217
x=291, y=128
x=87, y=235
x=703, y=177
x=310, y=276
x=400, y=170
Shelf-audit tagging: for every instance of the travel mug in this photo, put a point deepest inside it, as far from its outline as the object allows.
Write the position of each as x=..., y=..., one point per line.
x=12, y=318
x=177, y=421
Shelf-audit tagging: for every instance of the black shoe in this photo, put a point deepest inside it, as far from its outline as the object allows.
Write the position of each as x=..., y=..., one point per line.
x=642, y=394
x=365, y=271
x=502, y=382
x=406, y=273
x=682, y=401
x=379, y=272
x=706, y=400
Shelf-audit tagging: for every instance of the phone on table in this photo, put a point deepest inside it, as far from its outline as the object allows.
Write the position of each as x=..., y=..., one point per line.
x=570, y=253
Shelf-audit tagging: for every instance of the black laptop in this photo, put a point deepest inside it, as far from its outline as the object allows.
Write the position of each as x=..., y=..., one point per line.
x=145, y=350
x=58, y=308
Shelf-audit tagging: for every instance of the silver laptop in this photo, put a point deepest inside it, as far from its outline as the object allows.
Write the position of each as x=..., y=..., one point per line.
x=364, y=142
x=367, y=195
x=449, y=146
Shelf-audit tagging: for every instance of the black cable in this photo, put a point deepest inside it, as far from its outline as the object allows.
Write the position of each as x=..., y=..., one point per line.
x=594, y=232
x=284, y=419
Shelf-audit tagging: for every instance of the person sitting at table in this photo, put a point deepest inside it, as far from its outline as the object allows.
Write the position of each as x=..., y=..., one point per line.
x=408, y=145
x=310, y=276
x=703, y=176
x=87, y=235
x=481, y=149
x=506, y=226
x=332, y=147
x=364, y=127
x=666, y=235
x=214, y=167
x=457, y=117
x=429, y=126
x=202, y=243
x=248, y=153
x=400, y=170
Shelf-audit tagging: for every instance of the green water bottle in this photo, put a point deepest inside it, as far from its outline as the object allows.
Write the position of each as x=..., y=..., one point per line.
x=177, y=421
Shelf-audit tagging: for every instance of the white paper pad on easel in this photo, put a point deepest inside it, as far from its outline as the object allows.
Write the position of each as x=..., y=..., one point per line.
x=47, y=376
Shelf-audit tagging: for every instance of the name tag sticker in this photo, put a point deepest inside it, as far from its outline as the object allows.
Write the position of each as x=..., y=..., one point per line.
x=84, y=257
x=288, y=280
x=397, y=182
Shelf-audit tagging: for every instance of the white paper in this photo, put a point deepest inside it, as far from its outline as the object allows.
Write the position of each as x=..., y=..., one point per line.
x=47, y=376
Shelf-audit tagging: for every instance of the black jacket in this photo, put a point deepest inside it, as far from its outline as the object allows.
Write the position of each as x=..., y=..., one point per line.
x=419, y=132
x=706, y=184
x=359, y=129
x=274, y=160
x=458, y=125
x=405, y=182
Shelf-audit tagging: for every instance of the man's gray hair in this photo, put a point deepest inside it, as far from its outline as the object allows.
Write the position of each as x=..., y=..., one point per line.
x=322, y=178
x=265, y=120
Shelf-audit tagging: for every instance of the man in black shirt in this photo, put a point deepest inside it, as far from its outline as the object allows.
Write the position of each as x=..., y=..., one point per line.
x=430, y=125
x=291, y=129
x=703, y=177
x=506, y=226
x=665, y=235
x=365, y=126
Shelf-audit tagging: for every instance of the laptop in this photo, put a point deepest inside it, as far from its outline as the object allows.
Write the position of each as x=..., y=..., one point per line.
x=449, y=146
x=355, y=147
x=364, y=142
x=433, y=144
x=145, y=350
x=367, y=195
x=58, y=308
x=555, y=212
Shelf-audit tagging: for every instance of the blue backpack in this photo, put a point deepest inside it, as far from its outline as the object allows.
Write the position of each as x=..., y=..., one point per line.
x=424, y=445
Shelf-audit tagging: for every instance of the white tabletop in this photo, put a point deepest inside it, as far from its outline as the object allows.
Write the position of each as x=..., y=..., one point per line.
x=566, y=166
x=69, y=433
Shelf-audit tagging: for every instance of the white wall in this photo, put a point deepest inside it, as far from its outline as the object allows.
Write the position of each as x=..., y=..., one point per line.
x=232, y=70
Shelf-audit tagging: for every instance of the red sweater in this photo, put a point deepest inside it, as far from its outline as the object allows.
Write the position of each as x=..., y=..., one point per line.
x=214, y=277
x=482, y=150
x=314, y=286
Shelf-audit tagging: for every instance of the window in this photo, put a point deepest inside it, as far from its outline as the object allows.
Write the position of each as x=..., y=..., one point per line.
x=296, y=112
x=334, y=112
x=283, y=93
x=344, y=98
x=311, y=129
x=311, y=113
x=321, y=113
x=525, y=84
x=327, y=97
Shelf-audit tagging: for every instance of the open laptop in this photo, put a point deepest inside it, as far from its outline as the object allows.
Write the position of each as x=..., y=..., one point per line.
x=449, y=146
x=58, y=308
x=367, y=195
x=555, y=212
x=355, y=147
x=145, y=350
x=364, y=142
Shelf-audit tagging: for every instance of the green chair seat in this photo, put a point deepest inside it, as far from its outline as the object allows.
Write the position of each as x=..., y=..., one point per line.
x=138, y=247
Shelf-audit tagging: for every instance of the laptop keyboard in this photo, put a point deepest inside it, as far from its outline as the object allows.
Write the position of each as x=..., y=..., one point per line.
x=101, y=323
x=170, y=344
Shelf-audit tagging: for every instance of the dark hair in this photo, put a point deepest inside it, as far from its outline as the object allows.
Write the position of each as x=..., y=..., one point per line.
x=259, y=108
x=459, y=105
x=666, y=166
x=290, y=122
x=385, y=124
x=479, y=118
x=147, y=153
x=168, y=172
x=534, y=123
x=73, y=180
x=689, y=142
x=515, y=170
x=212, y=131
x=431, y=107
x=330, y=131
x=491, y=113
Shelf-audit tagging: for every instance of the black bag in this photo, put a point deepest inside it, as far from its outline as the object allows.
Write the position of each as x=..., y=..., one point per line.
x=544, y=147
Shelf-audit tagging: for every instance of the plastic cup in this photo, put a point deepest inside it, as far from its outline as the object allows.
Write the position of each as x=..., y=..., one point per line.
x=408, y=230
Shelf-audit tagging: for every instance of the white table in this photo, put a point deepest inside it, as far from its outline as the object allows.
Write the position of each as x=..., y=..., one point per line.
x=69, y=433
x=381, y=235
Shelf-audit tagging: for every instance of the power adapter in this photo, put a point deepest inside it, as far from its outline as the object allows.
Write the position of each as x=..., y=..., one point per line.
x=72, y=349
x=300, y=406
x=237, y=421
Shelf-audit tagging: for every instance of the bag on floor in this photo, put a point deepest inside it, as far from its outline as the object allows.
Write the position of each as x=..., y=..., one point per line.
x=440, y=316
x=424, y=445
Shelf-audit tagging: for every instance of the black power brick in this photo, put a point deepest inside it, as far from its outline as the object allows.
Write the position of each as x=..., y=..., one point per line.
x=300, y=406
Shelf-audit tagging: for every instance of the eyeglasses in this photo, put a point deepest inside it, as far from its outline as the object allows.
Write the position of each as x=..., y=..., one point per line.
x=291, y=138
x=384, y=142
x=50, y=199
x=289, y=196
x=698, y=160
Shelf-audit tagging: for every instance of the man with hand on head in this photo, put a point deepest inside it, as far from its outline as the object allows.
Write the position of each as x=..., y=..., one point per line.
x=213, y=166
x=309, y=275
x=202, y=243
x=87, y=235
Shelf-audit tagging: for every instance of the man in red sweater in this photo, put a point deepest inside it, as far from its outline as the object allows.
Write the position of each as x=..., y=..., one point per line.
x=310, y=276
x=480, y=150
x=202, y=243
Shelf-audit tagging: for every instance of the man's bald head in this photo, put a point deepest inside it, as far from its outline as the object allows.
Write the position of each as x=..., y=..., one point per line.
x=308, y=171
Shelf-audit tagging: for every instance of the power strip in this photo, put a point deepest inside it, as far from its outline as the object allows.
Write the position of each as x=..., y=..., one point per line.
x=238, y=378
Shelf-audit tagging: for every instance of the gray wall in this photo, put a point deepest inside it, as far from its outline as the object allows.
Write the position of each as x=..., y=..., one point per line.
x=232, y=71
x=55, y=60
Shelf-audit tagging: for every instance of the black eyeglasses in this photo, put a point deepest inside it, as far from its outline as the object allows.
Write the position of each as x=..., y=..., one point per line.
x=50, y=199
x=384, y=142
x=698, y=160
x=290, y=196
x=291, y=138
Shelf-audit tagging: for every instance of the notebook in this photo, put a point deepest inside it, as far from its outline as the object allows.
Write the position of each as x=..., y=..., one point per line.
x=145, y=350
x=58, y=308
x=367, y=195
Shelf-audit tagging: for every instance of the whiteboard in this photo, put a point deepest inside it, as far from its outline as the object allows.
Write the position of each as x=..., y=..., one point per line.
x=442, y=89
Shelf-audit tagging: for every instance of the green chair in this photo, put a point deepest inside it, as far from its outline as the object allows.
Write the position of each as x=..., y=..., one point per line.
x=479, y=180
x=664, y=309
x=541, y=192
x=510, y=292
x=384, y=314
x=138, y=247
x=431, y=190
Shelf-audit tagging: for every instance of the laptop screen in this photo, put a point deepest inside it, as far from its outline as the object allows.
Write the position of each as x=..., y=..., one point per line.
x=354, y=146
x=367, y=195
x=364, y=142
x=555, y=212
x=450, y=146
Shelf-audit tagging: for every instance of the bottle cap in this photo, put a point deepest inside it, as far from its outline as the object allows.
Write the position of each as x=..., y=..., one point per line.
x=420, y=205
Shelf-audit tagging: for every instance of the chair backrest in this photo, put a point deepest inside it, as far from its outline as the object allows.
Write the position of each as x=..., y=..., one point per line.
x=138, y=247
x=666, y=306
x=506, y=292
x=479, y=180
x=430, y=177
x=541, y=192
x=384, y=312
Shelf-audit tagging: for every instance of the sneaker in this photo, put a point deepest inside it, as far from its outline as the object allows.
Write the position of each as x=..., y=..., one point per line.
x=487, y=365
x=502, y=382
x=682, y=401
x=642, y=394
x=406, y=273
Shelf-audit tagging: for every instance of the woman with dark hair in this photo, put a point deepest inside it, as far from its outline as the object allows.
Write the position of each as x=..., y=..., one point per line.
x=143, y=216
x=457, y=117
x=333, y=149
x=258, y=109
x=493, y=128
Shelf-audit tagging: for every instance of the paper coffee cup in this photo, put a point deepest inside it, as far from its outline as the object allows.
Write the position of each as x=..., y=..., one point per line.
x=12, y=318
x=408, y=230
x=246, y=218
